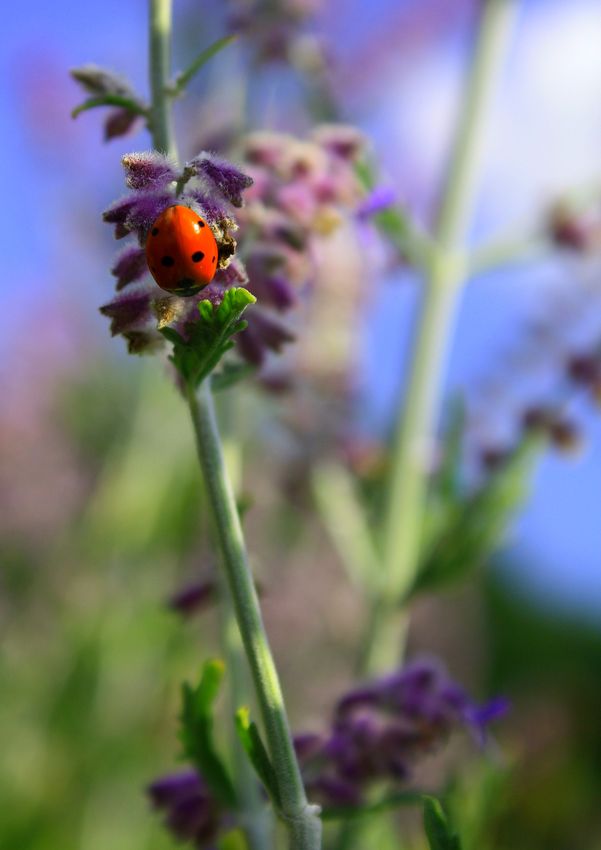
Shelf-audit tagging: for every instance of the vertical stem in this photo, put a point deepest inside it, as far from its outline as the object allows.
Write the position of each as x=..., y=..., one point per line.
x=416, y=425
x=301, y=819
x=160, y=71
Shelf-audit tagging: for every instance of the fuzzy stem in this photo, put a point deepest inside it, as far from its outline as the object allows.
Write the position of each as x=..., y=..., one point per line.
x=160, y=70
x=414, y=433
x=300, y=819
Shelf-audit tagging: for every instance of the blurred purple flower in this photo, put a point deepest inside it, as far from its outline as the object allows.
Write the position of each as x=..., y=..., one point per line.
x=194, y=597
x=380, y=729
x=191, y=813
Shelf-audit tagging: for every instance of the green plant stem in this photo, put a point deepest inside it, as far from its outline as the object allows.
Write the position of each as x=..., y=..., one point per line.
x=415, y=429
x=160, y=69
x=299, y=817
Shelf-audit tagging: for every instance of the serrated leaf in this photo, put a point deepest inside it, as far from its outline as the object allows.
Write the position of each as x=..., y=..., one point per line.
x=110, y=100
x=438, y=831
x=196, y=732
x=182, y=79
x=257, y=753
x=210, y=337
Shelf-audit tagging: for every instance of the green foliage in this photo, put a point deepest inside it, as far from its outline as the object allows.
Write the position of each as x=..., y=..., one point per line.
x=210, y=337
x=466, y=528
x=257, y=753
x=196, y=732
x=182, y=79
x=127, y=103
x=438, y=830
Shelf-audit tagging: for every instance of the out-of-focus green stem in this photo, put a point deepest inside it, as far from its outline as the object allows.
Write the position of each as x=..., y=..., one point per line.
x=300, y=819
x=414, y=433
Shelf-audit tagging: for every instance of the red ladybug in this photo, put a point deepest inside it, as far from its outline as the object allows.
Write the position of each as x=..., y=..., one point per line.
x=181, y=251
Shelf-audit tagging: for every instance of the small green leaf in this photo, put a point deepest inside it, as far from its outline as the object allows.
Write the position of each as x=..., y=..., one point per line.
x=477, y=524
x=196, y=731
x=257, y=753
x=438, y=831
x=392, y=801
x=110, y=100
x=182, y=79
x=210, y=337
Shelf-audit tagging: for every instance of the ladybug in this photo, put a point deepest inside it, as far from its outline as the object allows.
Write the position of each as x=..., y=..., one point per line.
x=181, y=251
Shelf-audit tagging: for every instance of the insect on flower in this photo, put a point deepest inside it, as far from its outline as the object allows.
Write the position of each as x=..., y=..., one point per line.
x=181, y=251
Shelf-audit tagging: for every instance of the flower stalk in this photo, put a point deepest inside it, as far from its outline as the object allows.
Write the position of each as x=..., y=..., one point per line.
x=448, y=268
x=301, y=820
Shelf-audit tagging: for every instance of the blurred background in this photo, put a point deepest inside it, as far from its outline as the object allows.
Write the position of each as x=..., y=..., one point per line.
x=100, y=495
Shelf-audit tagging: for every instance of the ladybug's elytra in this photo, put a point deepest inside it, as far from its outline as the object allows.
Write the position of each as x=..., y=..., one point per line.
x=181, y=251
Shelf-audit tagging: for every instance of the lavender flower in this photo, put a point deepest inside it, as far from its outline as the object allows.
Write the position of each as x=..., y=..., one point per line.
x=191, y=812
x=381, y=729
x=156, y=184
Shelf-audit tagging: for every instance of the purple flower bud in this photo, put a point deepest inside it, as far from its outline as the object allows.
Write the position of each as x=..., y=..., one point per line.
x=143, y=342
x=234, y=275
x=117, y=214
x=263, y=332
x=479, y=718
x=120, y=122
x=378, y=199
x=148, y=171
x=341, y=140
x=128, y=312
x=98, y=81
x=146, y=207
x=191, y=813
x=193, y=598
x=221, y=176
x=129, y=266
x=208, y=207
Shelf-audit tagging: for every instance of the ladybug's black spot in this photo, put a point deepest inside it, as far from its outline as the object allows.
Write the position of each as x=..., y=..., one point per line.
x=167, y=261
x=155, y=231
x=197, y=256
x=200, y=223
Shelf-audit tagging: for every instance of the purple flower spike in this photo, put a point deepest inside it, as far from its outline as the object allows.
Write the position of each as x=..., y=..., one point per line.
x=117, y=214
x=128, y=312
x=120, y=122
x=148, y=170
x=129, y=266
x=222, y=176
x=380, y=730
x=146, y=207
x=191, y=813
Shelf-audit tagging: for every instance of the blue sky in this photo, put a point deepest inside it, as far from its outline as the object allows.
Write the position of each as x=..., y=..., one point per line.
x=545, y=137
